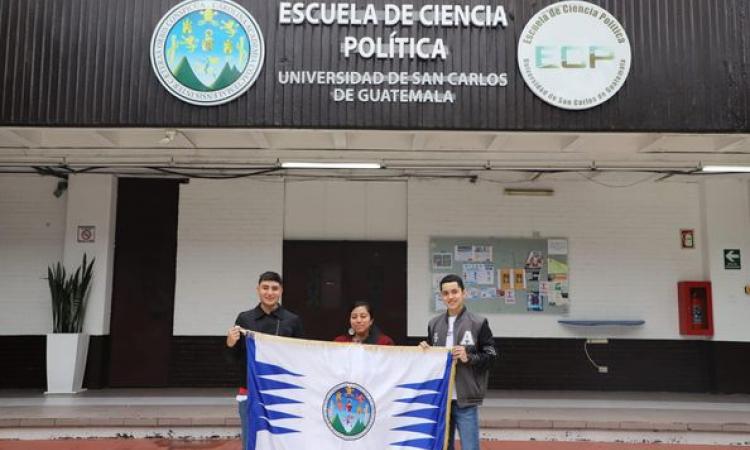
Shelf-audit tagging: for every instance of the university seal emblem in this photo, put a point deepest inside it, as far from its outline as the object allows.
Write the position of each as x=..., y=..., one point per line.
x=349, y=411
x=207, y=52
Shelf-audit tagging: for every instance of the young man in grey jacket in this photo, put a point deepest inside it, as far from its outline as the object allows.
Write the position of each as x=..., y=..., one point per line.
x=470, y=338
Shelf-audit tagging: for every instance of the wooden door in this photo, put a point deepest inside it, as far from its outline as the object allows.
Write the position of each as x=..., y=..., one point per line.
x=322, y=279
x=143, y=282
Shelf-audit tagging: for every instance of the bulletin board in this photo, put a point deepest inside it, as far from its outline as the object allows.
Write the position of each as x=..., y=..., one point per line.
x=504, y=275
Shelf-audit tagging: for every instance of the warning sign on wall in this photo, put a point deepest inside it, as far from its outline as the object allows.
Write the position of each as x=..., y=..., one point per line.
x=86, y=233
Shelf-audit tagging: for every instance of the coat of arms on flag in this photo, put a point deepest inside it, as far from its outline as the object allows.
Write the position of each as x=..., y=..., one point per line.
x=349, y=411
x=311, y=394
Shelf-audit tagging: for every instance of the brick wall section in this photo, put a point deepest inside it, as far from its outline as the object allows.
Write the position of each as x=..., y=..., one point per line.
x=23, y=361
x=199, y=361
x=536, y=364
x=541, y=364
x=634, y=365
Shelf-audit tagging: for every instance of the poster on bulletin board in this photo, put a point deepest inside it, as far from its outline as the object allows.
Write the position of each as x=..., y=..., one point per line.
x=504, y=275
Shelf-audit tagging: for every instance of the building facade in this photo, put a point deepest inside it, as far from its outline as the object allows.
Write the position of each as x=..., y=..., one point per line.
x=157, y=136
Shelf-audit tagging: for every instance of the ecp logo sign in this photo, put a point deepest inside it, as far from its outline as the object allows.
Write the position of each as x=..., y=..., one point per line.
x=574, y=55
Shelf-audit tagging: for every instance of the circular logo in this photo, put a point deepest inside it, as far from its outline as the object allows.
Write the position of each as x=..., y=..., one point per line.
x=574, y=55
x=349, y=411
x=207, y=52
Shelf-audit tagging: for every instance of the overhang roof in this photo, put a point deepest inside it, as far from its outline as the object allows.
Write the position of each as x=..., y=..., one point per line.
x=493, y=155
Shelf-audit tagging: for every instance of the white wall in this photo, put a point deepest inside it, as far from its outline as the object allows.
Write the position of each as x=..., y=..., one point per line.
x=625, y=258
x=728, y=227
x=624, y=249
x=345, y=210
x=32, y=228
x=92, y=200
x=229, y=232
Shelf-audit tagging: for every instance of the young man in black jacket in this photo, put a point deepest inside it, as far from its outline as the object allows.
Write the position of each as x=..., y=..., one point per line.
x=268, y=317
x=470, y=339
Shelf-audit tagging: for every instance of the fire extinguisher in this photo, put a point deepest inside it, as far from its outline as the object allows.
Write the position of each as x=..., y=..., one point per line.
x=696, y=307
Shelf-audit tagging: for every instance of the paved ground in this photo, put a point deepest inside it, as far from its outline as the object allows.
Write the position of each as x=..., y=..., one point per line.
x=518, y=420
x=221, y=444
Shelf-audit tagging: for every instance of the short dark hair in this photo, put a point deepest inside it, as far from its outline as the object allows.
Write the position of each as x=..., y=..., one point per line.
x=270, y=276
x=450, y=278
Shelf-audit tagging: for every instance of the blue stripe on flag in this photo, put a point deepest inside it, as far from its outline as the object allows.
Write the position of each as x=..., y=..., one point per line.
x=427, y=399
x=268, y=399
x=429, y=414
x=276, y=415
x=427, y=443
x=436, y=427
x=270, y=385
x=264, y=369
x=425, y=428
x=442, y=424
x=429, y=385
x=259, y=417
x=266, y=425
x=260, y=410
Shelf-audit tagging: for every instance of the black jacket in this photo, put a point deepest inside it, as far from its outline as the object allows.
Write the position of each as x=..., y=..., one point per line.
x=280, y=322
x=473, y=332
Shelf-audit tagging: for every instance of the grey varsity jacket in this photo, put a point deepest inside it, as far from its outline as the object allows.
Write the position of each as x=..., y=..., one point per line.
x=473, y=332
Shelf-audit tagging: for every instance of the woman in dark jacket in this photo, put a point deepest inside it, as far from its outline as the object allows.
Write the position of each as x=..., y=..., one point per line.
x=362, y=328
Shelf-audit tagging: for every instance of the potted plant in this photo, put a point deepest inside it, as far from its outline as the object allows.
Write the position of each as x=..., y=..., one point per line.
x=67, y=346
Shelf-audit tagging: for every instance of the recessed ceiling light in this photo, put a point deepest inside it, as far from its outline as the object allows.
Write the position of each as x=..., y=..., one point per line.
x=726, y=169
x=329, y=165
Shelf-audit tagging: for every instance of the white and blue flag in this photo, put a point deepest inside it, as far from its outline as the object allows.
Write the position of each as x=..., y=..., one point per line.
x=327, y=395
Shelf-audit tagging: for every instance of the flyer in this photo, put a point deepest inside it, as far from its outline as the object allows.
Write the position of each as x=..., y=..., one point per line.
x=557, y=246
x=464, y=253
x=505, y=274
x=442, y=261
x=556, y=266
x=519, y=279
x=535, y=260
x=534, y=302
x=479, y=273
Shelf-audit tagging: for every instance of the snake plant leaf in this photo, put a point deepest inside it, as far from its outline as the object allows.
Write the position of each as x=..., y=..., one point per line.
x=69, y=294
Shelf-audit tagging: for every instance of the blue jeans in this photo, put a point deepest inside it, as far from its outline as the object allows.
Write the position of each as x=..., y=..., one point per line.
x=467, y=421
x=243, y=419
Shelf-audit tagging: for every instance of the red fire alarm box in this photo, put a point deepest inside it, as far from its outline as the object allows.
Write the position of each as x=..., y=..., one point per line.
x=695, y=308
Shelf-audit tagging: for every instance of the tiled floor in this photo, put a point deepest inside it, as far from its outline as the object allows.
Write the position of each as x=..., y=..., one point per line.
x=506, y=415
x=502, y=409
x=220, y=444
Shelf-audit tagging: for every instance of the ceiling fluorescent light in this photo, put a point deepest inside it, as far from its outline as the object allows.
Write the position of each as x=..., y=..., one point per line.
x=530, y=192
x=329, y=165
x=726, y=169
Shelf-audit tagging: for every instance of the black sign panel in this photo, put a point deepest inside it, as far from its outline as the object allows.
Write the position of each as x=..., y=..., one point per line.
x=732, y=259
x=87, y=63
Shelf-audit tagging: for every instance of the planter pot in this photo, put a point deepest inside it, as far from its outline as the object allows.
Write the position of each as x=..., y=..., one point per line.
x=66, y=362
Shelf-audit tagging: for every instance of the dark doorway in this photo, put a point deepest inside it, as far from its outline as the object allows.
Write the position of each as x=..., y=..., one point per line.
x=322, y=279
x=143, y=282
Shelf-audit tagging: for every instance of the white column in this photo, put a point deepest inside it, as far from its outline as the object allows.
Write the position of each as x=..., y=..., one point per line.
x=92, y=202
x=727, y=226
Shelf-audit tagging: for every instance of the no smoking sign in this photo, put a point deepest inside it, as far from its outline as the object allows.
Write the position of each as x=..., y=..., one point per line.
x=86, y=233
